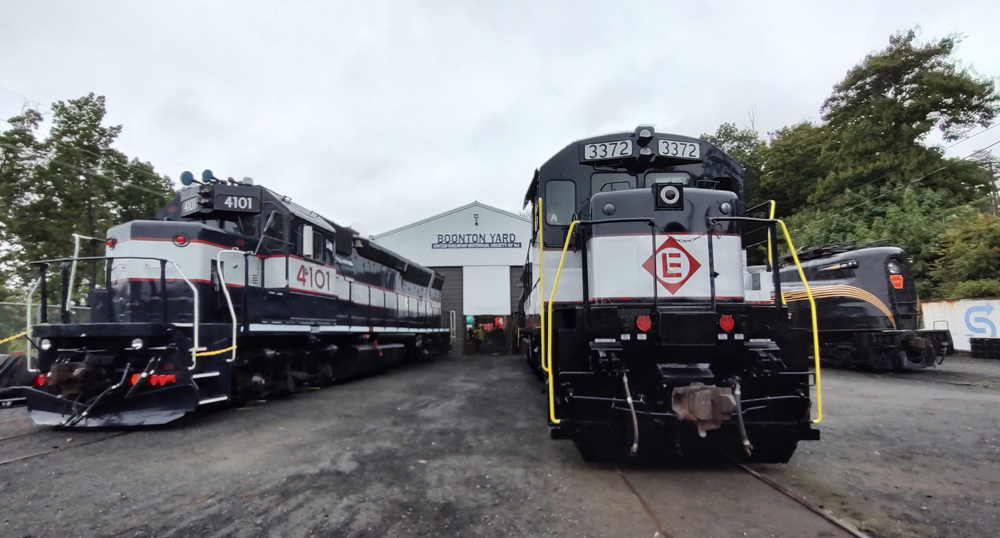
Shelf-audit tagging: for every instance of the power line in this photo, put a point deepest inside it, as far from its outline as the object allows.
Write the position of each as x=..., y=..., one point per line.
x=39, y=103
x=921, y=178
x=886, y=176
x=128, y=165
x=89, y=172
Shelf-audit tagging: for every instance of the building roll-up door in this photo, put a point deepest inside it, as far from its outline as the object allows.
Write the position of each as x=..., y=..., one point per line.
x=451, y=299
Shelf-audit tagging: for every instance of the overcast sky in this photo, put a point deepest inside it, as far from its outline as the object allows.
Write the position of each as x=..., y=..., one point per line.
x=377, y=114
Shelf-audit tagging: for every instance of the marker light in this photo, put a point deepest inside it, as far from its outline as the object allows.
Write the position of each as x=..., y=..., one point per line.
x=644, y=134
x=643, y=323
x=46, y=344
x=609, y=209
x=187, y=178
x=207, y=176
x=40, y=380
x=137, y=343
x=726, y=323
x=111, y=243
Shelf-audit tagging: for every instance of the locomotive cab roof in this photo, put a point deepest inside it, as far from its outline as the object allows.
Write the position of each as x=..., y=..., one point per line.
x=641, y=153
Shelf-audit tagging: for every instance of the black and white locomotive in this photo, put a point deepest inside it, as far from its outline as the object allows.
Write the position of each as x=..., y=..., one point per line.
x=232, y=292
x=635, y=308
x=866, y=303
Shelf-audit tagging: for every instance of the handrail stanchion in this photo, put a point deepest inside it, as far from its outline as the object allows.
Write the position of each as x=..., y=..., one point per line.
x=812, y=301
x=225, y=291
x=44, y=302
x=815, y=328
x=163, y=288
x=541, y=284
x=552, y=298
x=27, y=351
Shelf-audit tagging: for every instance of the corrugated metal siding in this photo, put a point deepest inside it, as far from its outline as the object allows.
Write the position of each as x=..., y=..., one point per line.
x=515, y=291
x=451, y=299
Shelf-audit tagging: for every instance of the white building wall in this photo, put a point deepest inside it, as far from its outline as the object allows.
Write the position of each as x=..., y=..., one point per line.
x=475, y=234
x=971, y=318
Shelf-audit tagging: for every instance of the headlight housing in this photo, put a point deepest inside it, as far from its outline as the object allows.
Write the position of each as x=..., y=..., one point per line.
x=137, y=343
x=45, y=344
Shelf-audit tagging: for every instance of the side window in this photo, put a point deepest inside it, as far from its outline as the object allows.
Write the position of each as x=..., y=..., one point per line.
x=274, y=230
x=611, y=182
x=560, y=202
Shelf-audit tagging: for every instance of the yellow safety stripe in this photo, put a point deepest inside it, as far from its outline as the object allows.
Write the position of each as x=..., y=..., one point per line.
x=9, y=338
x=840, y=290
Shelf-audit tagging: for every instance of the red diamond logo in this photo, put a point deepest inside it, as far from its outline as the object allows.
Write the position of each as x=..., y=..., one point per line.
x=671, y=265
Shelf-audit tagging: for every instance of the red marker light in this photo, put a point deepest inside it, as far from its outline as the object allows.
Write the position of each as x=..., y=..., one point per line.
x=111, y=242
x=897, y=281
x=643, y=323
x=727, y=323
x=40, y=380
x=134, y=379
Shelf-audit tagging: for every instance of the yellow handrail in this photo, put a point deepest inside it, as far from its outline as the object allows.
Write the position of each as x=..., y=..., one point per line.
x=812, y=308
x=552, y=297
x=541, y=286
x=770, y=258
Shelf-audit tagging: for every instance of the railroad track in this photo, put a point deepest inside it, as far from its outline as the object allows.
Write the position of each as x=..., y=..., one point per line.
x=662, y=528
x=9, y=436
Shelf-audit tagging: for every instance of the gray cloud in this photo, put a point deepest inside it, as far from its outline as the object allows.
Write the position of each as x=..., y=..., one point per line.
x=377, y=114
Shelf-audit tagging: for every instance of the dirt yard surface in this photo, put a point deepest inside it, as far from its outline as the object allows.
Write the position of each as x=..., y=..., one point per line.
x=459, y=447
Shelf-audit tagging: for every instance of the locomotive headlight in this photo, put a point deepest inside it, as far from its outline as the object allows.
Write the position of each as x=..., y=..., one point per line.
x=894, y=268
x=137, y=343
x=46, y=344
x=726, y=208
x=669, y=194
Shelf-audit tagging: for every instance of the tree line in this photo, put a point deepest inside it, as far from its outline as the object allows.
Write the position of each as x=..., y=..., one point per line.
x=71, y=180
x=865, y=171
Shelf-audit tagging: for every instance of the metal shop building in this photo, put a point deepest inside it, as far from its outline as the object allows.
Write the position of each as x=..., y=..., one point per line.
x=480, y=250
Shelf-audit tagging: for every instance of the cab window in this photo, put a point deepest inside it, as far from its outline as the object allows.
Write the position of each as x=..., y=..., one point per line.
x=274, y=230
x=560, y=202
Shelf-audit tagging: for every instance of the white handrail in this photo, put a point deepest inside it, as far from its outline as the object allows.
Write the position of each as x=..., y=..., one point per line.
x=27, y=303
x=225, y=291
x=72, y=271
x=195, y=327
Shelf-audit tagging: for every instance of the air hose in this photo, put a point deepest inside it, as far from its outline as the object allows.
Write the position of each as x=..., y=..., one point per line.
x=739, y=418
x=635, y=421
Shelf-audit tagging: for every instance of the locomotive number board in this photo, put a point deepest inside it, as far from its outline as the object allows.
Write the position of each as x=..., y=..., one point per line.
x=228, y=202
x=679, y=150
x=607, y=150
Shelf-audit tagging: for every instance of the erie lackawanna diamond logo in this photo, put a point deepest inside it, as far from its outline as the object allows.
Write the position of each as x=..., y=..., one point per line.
x=671, y=265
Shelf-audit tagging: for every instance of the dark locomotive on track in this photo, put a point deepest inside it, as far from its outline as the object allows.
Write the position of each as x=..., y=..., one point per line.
x=636, y=309
x=232, y=292
x=867, y=309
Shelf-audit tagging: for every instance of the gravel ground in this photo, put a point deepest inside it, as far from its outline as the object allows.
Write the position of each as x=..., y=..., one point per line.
x=459, y=447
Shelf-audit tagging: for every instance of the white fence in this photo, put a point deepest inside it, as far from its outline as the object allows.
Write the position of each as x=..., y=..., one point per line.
x=969, y=318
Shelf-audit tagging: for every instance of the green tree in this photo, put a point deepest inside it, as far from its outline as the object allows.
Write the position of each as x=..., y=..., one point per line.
x=795, y=165
x=77, y=183
x=970, y=258
x=18, y=159
x=747, y=147
x=880, y=115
